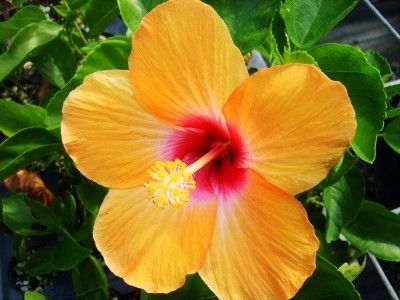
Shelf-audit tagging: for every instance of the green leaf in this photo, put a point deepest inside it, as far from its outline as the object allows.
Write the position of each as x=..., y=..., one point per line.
x=247, y=20
x=376, y=230
x=89, y=277
x=352, y=270
x=108, y=55
x=65, y=209
x=365, y=88
x=132, y=12
x=378, y=61
x=18, y=217
x=91, y=195
x=57, y=63
x=327, y=283
x=309, y=20
x=336, y=252
x=298, y=57
x=25, y=147
x=28, y=39
x=343, y=165
x=43, y=214
x=391, y=134
x=194, y=289
x=31, y=295
x=393, y=113
x=14, y=117
x=18, y=247
x=391, y=90
x=24, y=16
x=65, y=255
x=150, y=4
x=97, y=14
x=342, y=202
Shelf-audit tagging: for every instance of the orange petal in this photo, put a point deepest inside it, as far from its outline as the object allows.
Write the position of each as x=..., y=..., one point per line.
x=109, y=136
x=297, y=123
x=263, y=246
x=184, y=61
x=149, y=247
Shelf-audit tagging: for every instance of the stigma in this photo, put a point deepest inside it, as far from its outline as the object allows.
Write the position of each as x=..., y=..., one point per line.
x=172, y=181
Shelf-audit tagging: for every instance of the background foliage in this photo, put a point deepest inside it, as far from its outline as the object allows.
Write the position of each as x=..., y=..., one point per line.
x=46, y=51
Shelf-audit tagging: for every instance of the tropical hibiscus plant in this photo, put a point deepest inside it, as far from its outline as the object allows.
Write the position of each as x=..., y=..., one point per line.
x=155, y=155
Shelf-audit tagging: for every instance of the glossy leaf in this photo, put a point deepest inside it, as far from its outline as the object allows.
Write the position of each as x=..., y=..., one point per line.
x=97, y=14
x=194, y=289
x=89, y=277
x=91, y=195
x=18, y=217
x=65, y=255
x=378, y=61
x=24, y=16
x=309, y=20
x=301, y=57
x=28, y=39
x=327, y=283
x=391, y=134
x=15, y=116
x=391, y=90
x=25, y=147
x=365, y=88
x=132, y=12
x=57, y=63
x=247, y=20
x=108, y=55
x=342, y=202
x=343, y=165
x=376, y=230
x=393, y=113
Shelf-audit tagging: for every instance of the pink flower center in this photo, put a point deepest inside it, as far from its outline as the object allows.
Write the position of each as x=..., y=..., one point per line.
x=225, y=172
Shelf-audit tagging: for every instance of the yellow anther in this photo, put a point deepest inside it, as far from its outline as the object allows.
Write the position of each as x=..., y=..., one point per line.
x=170, y=183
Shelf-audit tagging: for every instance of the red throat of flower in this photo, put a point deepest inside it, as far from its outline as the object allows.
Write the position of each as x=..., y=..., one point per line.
x=205, y=157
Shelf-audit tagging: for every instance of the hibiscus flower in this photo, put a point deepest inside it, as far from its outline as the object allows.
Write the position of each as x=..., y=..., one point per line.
x=202, y=160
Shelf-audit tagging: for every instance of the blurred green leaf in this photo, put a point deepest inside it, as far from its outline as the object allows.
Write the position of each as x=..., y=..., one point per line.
x=194, y=289
x=309, y=20
x=108, y=55
x=352, y=270
x=276, y=41
x=365, y=88
x=342, y=202
x=65, y=209
x=132, y=12
x=391, y=135
x=24, y=16
x=391, y=90
x=327, y=283
x=18, y=247
x=298, y=57
x=43, y=214
x=89, y=277
x=247, y=20
x=18, y=217
x=75, y=3
x=23, y=148
x=393, y=113
x=91, y=195
x=376, y=230
x=336, y=252
x=97, y=14
x=57, y=63
x=343, y=165
x=28, y=39
x=15, y=116
x=378, y=61
x=150, y=4
x=65, y=255
x=31, y=295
